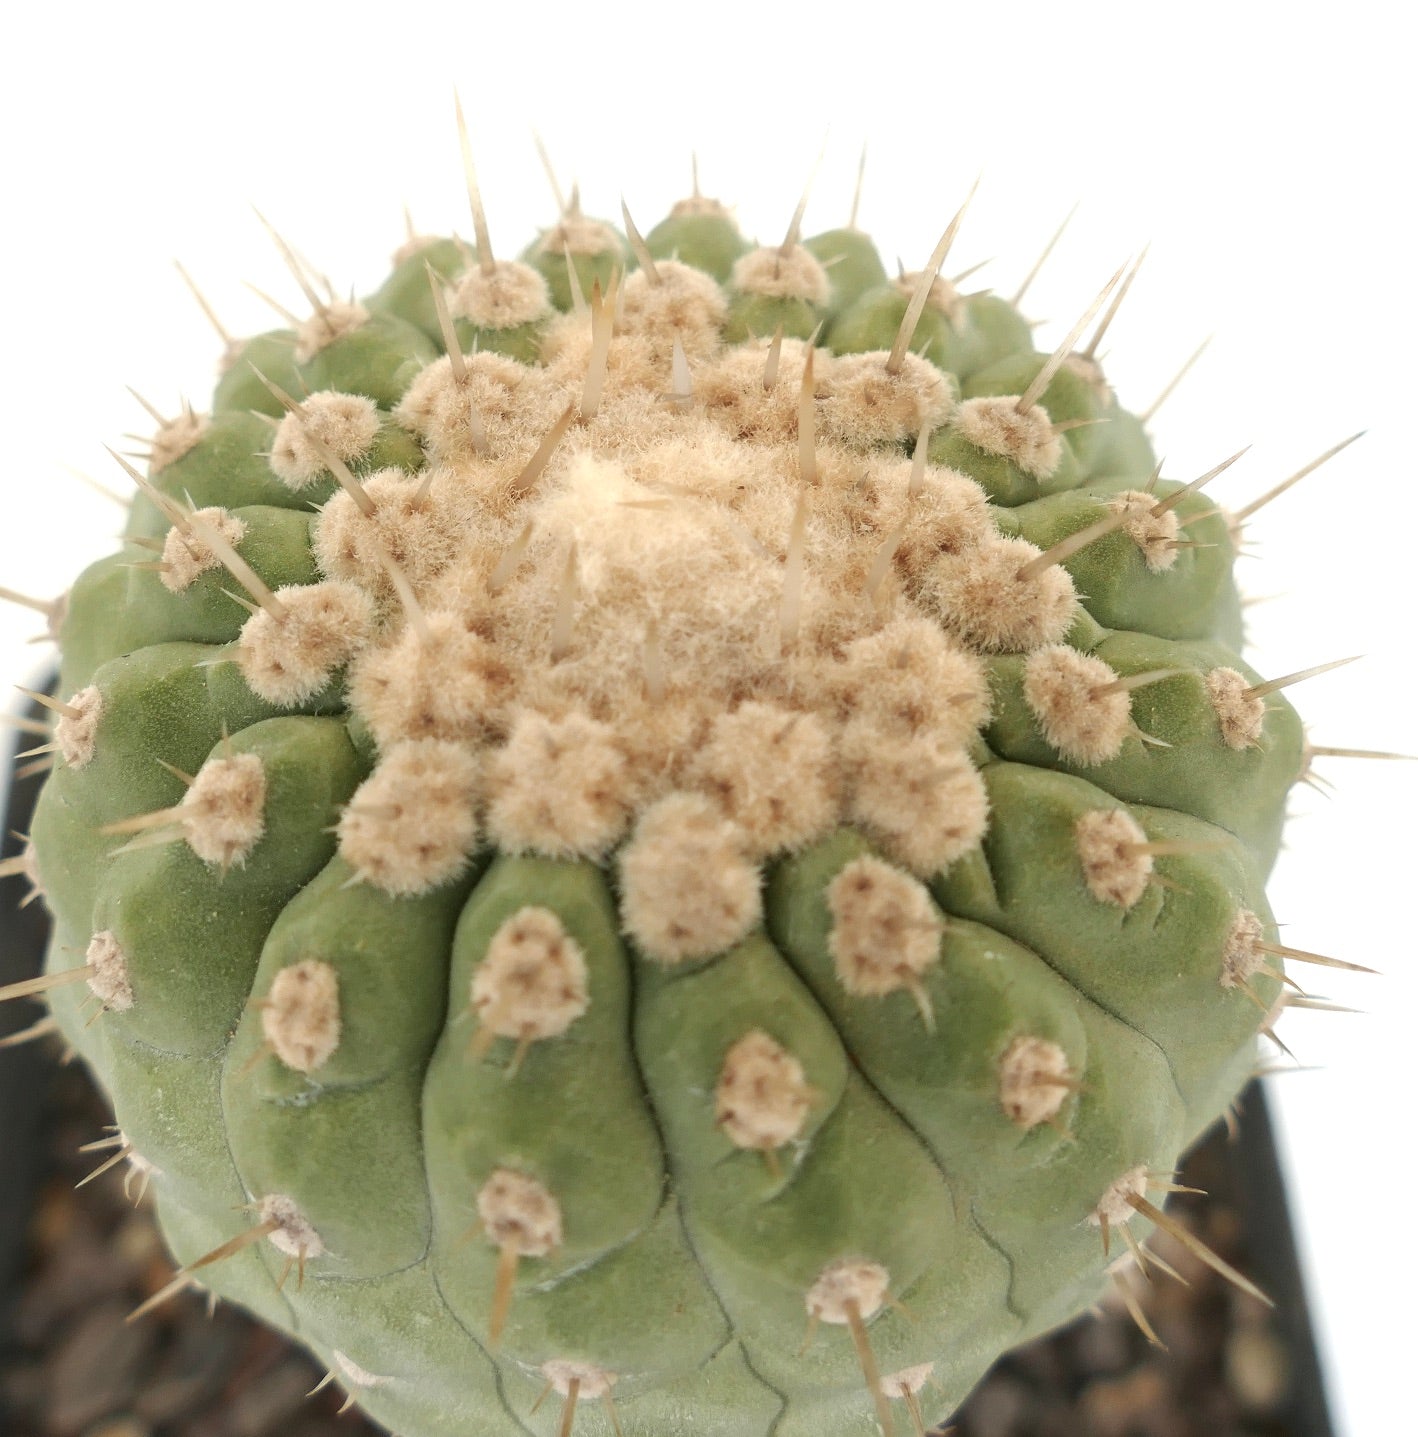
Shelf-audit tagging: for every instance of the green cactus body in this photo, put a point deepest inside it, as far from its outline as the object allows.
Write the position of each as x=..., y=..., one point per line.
x=648, y=859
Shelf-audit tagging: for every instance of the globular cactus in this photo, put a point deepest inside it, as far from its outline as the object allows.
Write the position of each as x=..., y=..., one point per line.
x=668, y=820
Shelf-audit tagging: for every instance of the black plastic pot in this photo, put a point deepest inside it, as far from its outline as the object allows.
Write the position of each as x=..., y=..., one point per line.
x=1248, y=1168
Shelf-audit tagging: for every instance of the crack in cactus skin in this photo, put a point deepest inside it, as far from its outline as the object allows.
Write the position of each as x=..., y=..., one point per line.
x=689, y=656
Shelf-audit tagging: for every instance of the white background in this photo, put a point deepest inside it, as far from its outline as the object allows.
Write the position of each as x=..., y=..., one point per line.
x=1266, y=153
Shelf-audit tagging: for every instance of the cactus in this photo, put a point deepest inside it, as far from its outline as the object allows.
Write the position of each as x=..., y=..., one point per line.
x=668, y=821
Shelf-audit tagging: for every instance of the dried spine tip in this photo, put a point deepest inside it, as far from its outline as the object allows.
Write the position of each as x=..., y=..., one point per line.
x=851, y=1286
x=289, y=659
x=1240, y=713
x=1034, y=1080
x=77, y=729
x=108, y=972
x=412, y=823
x=558, y=787
x=223, y=812
x=762, y=1097
x=344, y=424
x=300, y=1016
x=1079, y=711
x=886, y=930
x=782, y=272
x=687, y=888
x=1028, y=440
x=532, y=983
x=1112, y=849
x=187, y=555
x=293, y=1233
x=1244, y=953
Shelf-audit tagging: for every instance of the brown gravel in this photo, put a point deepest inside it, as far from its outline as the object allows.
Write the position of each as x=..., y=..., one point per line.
x=75, y=1369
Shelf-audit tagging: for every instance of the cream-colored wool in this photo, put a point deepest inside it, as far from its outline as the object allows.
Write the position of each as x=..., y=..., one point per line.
x=531, y=983
x=700, y=205
x=188, y=555
x=591, y=1381
x=886, y=929
x=557, y=787
x=782, y=272
x=223, y=812
x=344, y=424
x=773, y=773
x=678, y=300
x=507, y=405
x=847, y=1288
x=1114, y=1207
x=1067, y=692
x=288, y=659
x=995, y=425
x=909, y=678
x=1116, y=867
x=1156, y=535
x=865, y=405
x=687, y=888
x=443, y=681
x=1086, y=368
x=295, y=1235
x=943, y=297
x=578, y=234
x=412, y=823
x=907, y=1379
x=175, y=437
x=753, y=389
x=941, y=512
x=414, y=526
x=518, y=1212
x=713, y=596
x=762, y=1097
x=981, y=596
x=1240, y=714
x=633, y=361
x=1034, y=1081
x=300, y=1016
x=652, y=586
x=332, y=321
x=1242, y=956
x=504, y=296
x=76, y=731
x=108, y=972
x=920, y=799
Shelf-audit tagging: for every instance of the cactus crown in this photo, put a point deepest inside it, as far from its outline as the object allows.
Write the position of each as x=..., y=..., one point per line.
x=703, y=795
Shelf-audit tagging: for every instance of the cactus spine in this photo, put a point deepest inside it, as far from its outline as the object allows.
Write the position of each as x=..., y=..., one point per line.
x=669, y=821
